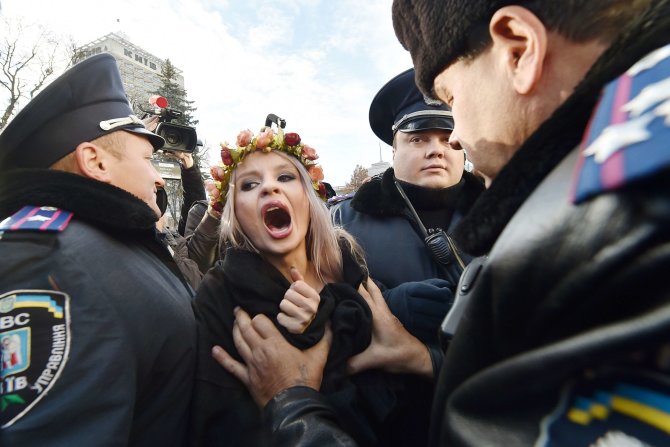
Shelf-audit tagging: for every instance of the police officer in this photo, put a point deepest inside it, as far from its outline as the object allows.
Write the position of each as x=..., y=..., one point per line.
x=424, y=195
x=99, y=329
x=395, y=215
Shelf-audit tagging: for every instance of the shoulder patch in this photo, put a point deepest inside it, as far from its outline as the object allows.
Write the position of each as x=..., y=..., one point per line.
x=627, y=136
x=339, y=198
x=35, y=344
x=624, y=408
x=39, y=218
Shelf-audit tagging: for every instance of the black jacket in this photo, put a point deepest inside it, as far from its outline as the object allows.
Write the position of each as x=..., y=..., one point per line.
x=114, y=355
x=564, y=335
x=388, y=233
x=224, y=412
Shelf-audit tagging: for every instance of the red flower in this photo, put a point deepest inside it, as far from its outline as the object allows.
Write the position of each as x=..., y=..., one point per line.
x=322, y=190
x=226, y=156
x=217, y=206
x=292, y=139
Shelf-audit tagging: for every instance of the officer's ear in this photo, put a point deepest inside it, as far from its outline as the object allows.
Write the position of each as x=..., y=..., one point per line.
x=520, y=45
x=93, y=161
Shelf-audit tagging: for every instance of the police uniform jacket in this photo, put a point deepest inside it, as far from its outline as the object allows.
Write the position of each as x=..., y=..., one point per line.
x=118, y=367
x=388, y=233
x=564, y=337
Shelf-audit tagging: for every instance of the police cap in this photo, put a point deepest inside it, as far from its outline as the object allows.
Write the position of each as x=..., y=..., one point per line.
x=400, y=106
x=84, y=103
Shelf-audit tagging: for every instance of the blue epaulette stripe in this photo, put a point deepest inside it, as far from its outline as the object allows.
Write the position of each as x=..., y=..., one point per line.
x=37, y=218
x=645, y=396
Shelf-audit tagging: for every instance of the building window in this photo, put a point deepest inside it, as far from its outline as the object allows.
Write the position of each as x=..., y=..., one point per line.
x=152, y=65
x=127, y=52
x=138, y=58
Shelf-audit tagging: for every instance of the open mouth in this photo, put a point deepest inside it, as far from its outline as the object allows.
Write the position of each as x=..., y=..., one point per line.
x=277, y=220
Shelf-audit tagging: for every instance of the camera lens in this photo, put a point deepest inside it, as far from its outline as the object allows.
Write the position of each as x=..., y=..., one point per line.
x=173, y=138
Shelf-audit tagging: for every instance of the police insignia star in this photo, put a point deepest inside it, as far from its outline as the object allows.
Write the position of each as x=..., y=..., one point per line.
x=34, y=341
x=627, y=137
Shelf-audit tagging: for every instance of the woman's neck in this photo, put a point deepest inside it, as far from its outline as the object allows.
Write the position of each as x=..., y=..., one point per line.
x=300, y=262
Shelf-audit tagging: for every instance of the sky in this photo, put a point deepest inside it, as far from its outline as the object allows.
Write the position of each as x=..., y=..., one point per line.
x=315, y=63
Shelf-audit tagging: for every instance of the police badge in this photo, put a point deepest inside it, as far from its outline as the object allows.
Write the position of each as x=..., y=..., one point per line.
x=34, y=342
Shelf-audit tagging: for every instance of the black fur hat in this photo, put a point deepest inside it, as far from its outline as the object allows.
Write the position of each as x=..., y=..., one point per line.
x=436, y=32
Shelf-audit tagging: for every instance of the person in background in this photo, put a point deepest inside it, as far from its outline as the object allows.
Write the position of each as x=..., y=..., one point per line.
x=97, y=307
x=560, y=335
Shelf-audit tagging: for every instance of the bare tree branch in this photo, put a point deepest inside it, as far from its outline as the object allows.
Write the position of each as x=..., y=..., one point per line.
x=29, y=55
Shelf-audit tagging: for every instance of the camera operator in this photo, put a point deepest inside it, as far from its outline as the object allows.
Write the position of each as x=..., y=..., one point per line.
x=194, y=253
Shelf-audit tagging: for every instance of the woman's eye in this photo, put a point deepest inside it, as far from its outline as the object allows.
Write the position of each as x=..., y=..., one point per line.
x=248, y=185
x=286, y=178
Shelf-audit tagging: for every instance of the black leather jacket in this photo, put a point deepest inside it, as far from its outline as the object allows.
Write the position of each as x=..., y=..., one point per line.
x=570, y=311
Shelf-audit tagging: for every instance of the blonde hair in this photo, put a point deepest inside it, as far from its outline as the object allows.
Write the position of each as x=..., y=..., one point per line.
x=322, y=239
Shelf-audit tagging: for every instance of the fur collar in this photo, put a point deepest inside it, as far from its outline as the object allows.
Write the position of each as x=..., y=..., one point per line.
x=560, y=134
x=101, y=204
x=379, y=196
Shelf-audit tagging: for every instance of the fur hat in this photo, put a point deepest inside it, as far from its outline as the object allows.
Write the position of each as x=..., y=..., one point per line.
x=436, y=32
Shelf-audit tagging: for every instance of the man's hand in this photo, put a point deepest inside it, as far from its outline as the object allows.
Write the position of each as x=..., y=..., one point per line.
x=299, y=306
x=271, y=364
x=392, y=348
x=151, y=122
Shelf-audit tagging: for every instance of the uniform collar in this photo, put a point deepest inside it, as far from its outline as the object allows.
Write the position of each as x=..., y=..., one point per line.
x=90, y=200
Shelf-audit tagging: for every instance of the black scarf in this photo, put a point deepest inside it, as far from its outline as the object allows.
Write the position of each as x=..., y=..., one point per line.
x=258, y=287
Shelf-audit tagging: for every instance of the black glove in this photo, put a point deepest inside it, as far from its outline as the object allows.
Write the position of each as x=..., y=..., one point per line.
x=421, y=306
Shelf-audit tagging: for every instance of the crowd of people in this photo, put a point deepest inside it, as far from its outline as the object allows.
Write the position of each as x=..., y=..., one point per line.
x=524, y=305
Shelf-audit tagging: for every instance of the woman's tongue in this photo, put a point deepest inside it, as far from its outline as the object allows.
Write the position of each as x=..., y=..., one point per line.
x=277, y=222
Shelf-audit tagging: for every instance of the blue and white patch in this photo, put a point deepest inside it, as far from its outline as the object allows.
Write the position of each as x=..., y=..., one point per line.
x=616, y=409
x=339, y=198
x=34, y=344
x=37, y=218
x=627, y=138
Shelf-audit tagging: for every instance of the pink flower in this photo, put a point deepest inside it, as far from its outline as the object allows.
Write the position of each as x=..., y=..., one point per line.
x=309, y=152
x=215, y=194
x=210, y=186
x=244, y=138
x=264, y=138
x=292, y=139
x=226, y=157
x=315, y=173
x=217, y=172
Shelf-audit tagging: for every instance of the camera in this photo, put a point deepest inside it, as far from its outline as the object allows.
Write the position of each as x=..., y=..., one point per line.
x=178, y=138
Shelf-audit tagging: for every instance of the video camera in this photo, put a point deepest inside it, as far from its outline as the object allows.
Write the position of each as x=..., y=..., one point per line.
x=178, y=138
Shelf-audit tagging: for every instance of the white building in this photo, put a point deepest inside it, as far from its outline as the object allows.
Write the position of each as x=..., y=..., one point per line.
x=139, y=69
x=380, y=166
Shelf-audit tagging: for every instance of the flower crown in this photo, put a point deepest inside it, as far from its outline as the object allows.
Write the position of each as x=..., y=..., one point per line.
x=267, y=140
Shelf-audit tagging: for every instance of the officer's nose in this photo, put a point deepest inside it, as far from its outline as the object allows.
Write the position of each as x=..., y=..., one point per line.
x=454, y=142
